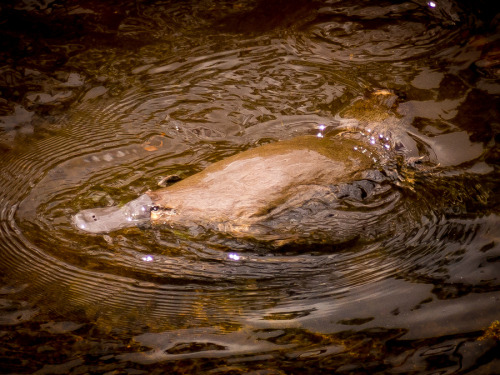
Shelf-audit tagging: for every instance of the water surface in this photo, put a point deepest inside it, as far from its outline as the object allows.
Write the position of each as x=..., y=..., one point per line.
x=100, y=102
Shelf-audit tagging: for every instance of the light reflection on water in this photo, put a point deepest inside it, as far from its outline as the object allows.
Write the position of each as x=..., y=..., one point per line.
x=171, y=99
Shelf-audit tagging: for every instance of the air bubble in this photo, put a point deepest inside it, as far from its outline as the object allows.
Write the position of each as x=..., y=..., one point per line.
x=233, y=256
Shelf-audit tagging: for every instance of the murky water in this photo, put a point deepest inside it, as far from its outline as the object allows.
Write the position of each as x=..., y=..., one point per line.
x=101, y=102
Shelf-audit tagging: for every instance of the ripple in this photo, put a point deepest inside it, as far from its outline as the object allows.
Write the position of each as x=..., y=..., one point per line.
x=180, y=113
x=363, y=34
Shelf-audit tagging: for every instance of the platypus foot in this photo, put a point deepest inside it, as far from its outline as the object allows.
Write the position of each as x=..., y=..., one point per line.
x=108, y=219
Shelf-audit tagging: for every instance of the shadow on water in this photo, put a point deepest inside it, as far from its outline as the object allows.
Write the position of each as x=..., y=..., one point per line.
x=101, y=101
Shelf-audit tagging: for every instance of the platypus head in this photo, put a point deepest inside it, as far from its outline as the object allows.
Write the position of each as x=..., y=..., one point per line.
x=107, y=219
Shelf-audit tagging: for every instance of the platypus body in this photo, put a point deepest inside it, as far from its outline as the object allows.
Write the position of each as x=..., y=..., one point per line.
x=303, y=190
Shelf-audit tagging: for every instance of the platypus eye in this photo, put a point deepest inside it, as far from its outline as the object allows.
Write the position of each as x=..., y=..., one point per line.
x=155, y=208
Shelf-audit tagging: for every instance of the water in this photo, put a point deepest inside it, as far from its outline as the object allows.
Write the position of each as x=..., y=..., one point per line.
x=100, y=102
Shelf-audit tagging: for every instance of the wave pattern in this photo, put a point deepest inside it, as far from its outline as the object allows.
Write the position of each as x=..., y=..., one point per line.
x=179, y=113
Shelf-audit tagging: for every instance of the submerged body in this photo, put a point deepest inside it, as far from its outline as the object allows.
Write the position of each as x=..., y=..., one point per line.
x=296, y=190
x=256, y=182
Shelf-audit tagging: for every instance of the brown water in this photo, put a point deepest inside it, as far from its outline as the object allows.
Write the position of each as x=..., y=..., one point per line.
x=99, y=102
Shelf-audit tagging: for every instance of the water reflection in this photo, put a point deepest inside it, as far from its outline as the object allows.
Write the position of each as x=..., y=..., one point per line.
x=100, y=103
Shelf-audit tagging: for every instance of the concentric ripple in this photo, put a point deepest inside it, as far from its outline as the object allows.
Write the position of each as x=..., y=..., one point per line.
x=359, y=33
x=175, y=116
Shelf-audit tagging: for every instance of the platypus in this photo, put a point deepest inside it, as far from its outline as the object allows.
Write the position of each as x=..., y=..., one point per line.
x=291, y=190
x=332, y=188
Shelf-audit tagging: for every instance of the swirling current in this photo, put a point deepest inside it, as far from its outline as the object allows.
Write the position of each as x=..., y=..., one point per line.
x=101, y=102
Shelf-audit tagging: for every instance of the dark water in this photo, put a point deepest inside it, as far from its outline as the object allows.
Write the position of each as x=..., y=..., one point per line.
x=100, y=101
